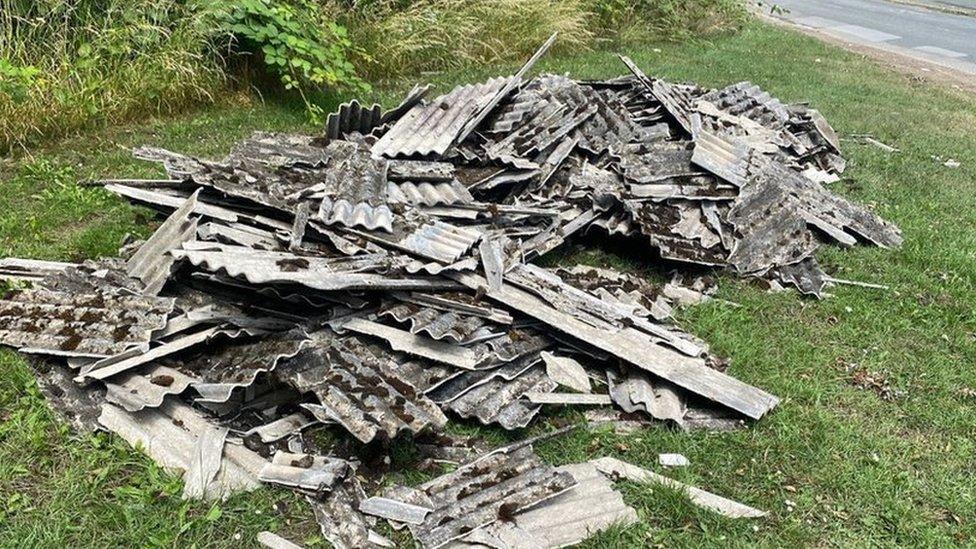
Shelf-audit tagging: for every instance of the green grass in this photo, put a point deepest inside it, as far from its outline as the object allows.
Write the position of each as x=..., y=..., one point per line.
x=861, y=471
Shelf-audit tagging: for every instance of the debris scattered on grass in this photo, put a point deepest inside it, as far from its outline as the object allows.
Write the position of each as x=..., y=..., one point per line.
x=672, y=460
x=378, y=279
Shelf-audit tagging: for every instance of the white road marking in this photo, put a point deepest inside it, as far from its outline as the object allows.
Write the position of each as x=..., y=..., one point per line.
x=935, y=50
x=864, y=33
x=815, y=22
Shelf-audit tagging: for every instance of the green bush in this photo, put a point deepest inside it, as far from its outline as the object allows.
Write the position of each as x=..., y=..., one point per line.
x=299, y=42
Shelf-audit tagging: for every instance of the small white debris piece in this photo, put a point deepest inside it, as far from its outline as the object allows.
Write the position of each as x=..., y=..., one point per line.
x=672, y=460
x=392, y=509
x=621, y=469
x=566, y=372
x=952, y=163
x=204, y=462
x=274, y=541
x=568, y=398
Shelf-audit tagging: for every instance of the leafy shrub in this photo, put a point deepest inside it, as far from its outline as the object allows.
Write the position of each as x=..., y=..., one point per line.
x=299, y=42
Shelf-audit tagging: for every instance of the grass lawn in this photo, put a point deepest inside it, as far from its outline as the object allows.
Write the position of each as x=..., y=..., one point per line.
x=873, y=443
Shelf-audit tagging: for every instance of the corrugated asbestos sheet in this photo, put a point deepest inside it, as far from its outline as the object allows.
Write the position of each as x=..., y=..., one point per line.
x=592, y=505
x=95, y=325
x=172, y=434
x=313, y=272
x=355, y=194
x=152, y=262
x=482, y=492
x=352, y=117
x=439, y=324
x=358, y=387
x=431, y=128
x=219, y=372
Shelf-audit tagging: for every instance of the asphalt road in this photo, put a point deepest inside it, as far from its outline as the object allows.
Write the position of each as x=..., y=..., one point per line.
x=926, y=32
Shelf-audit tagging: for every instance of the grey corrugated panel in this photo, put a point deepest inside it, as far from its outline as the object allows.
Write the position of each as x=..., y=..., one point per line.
x=421, y=170
x=352, y=117
x=218, y=372
x=829, y=211
x=567, y=519
x=726, y=156
x=440, y=241
x=95, y=325
x=359, y=214
x=417, y=345
x=438, y=324
x=749, y=100
x=428, y=194
x=305, y=471
x=635, y=347
x=806, y=276
x=676, y=99
x=78, y=406
x=277, y=149
x=340, y=521
x=358, y=386
x=170, y=435
x=502, y=401
x=260, y=267
x=621, y=469
x=146, y=389
x=433, y=127
x=485, y=491
x=664, y=222
x=170, y=202
x=152, y=262
x=14, y=268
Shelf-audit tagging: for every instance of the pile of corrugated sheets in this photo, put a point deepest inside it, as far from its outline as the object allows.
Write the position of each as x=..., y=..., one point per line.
x=378, y=279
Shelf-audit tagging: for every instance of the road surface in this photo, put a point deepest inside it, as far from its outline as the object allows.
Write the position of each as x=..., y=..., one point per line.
x=945, y=38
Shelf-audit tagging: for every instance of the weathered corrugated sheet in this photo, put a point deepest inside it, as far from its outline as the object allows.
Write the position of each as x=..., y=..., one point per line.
x=427, y=194
x=352, y=117
x=95, y=325
x=358, y=386
x=677, y=100
x=218, y=372
x=78, y=406
x=279, y=150
x=171, y=435
x=410, y=343
x=17, y=269
x=146, y=389
x=305, y=471
x=483, y=492
x=260, y=267
x=634, y=347
x=439, y=324
x=440, y=241
x=356, y=193
x=152, y=262
x=433, y=127
x=567, y=519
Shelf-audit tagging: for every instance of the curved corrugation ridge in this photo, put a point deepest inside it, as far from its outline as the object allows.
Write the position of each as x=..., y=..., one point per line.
x=147, y=389
x=438, y=324
x=431, y=128
x=441, y=241
x=343, y=212
x=236, y=366
x=428, y=194
x=435, y=268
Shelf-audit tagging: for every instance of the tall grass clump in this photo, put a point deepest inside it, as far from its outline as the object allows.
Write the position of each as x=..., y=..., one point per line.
x=639, y=21
x=65, y=64
x=401, y=38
